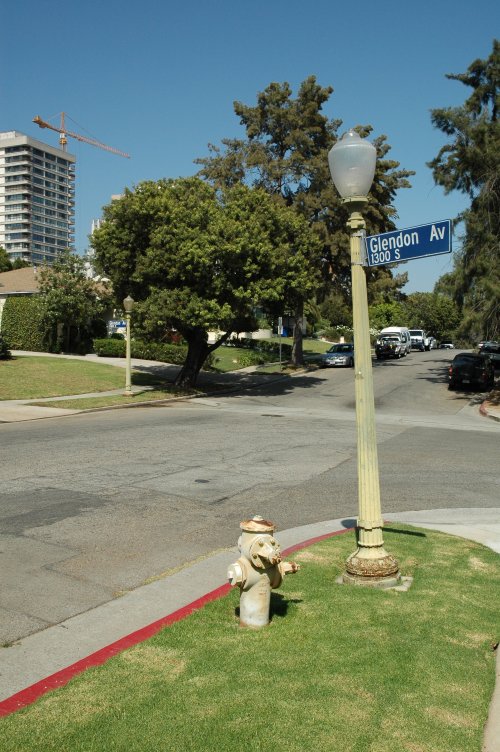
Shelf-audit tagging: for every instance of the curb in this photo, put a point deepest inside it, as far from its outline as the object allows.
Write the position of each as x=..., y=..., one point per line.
x=483, y=409
x=33, y=692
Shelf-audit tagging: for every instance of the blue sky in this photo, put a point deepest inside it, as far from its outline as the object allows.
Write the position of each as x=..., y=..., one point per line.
x=158, y=79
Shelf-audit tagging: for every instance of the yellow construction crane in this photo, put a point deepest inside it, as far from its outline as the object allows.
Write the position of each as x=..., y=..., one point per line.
x=63, y=132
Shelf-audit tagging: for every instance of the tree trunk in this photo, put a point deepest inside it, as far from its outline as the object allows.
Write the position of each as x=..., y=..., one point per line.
x=198, y=350
x=297, y=349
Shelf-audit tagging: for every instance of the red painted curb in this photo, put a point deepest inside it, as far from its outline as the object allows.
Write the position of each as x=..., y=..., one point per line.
x=28, y=695
x=60, y=678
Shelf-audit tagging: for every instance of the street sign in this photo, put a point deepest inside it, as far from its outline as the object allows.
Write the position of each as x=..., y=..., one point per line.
x=412, y=243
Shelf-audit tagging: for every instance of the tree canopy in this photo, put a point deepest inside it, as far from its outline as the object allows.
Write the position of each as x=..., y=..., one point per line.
x=470, y=163
x=71, y=303
x=434, y=312
x=285, y=153
x=199, y=259
x=6, y=265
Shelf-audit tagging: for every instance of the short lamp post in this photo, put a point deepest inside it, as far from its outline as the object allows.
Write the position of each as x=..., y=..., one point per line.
x=352, y=163
x=128, y=304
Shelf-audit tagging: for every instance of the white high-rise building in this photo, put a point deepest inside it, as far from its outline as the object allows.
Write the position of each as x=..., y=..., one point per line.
x=37, y=199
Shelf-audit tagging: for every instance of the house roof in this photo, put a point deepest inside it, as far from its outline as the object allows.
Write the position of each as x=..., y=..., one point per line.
x=19, y=281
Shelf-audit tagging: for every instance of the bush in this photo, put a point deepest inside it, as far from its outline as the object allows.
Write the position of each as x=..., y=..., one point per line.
x=22, y=323
x=115, y=348
x=253, y=358
x=264, y=346
x=334, y=333
x=109, y=347
x=4, y=349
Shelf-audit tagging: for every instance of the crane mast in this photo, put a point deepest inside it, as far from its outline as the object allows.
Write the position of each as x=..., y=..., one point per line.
x=64, y=132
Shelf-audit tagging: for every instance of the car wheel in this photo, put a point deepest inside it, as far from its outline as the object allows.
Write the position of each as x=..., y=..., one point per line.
x=351, y=363
x=451, y=385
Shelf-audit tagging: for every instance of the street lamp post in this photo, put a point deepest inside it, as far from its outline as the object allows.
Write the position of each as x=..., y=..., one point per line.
x=352, y=163
x=128, y=304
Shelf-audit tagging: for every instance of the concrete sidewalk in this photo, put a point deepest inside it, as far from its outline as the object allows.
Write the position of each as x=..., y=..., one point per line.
x=49, y=658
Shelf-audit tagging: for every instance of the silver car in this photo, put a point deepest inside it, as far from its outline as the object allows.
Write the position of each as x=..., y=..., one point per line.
x=339, y=355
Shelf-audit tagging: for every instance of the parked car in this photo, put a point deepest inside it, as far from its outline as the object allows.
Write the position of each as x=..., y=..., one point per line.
x=432, y=343
x=402, y=332
x=492, y=349
x=339, y=355
x=419, y=340
x=486, y=342
x=447, y=344
x=471, y=368
x=390, y=346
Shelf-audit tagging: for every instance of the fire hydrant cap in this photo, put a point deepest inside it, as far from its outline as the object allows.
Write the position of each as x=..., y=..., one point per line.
x=257, y=525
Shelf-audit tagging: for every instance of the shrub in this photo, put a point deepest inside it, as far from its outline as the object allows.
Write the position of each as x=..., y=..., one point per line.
x=115, y=348
x=264, y=346
x=252, y=358
x=334, y=333
x=22, y=323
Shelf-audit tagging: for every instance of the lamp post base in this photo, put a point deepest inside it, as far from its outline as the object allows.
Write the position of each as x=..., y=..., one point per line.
x=372, y=568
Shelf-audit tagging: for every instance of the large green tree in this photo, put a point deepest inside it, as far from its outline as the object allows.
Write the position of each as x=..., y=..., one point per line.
x=72, y=304
x=201, y=259
x=470, y=163
x=284, y=152
x=5, y=262
x=437, y=313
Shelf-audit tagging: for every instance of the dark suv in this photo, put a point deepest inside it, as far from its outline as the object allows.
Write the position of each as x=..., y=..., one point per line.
x=471, y=368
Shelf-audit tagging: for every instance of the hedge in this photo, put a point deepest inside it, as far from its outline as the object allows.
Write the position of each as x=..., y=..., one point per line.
x=22, y=323
x=115, y=348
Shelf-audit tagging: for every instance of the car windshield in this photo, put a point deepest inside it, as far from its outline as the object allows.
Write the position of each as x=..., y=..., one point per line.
x=340, y=349
x=389, y=339
x=416, y=332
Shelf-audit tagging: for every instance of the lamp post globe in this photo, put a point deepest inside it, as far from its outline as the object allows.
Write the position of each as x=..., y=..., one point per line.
x=352, y=162
x=128, y=305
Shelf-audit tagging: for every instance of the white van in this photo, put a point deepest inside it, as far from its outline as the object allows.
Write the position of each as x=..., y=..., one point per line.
x=402, y=332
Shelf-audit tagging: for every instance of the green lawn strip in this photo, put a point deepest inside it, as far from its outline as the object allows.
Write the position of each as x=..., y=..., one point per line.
x=340, y=668
x=87, y=403
x=229, y=358
x=30, y=377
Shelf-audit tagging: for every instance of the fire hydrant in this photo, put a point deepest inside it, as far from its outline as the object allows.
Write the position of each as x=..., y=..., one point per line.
x=258, y=570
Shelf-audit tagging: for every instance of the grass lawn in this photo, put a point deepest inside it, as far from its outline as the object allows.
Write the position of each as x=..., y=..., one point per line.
x=228, y=358
x=29, y=377
x=340, y=668
x=150, y=395
x=32, y=377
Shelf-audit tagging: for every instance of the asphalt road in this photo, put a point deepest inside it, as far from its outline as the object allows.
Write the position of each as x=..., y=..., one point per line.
x=96, y=504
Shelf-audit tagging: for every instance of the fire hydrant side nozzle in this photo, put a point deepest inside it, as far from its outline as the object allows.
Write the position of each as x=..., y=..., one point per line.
x=258, y=570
